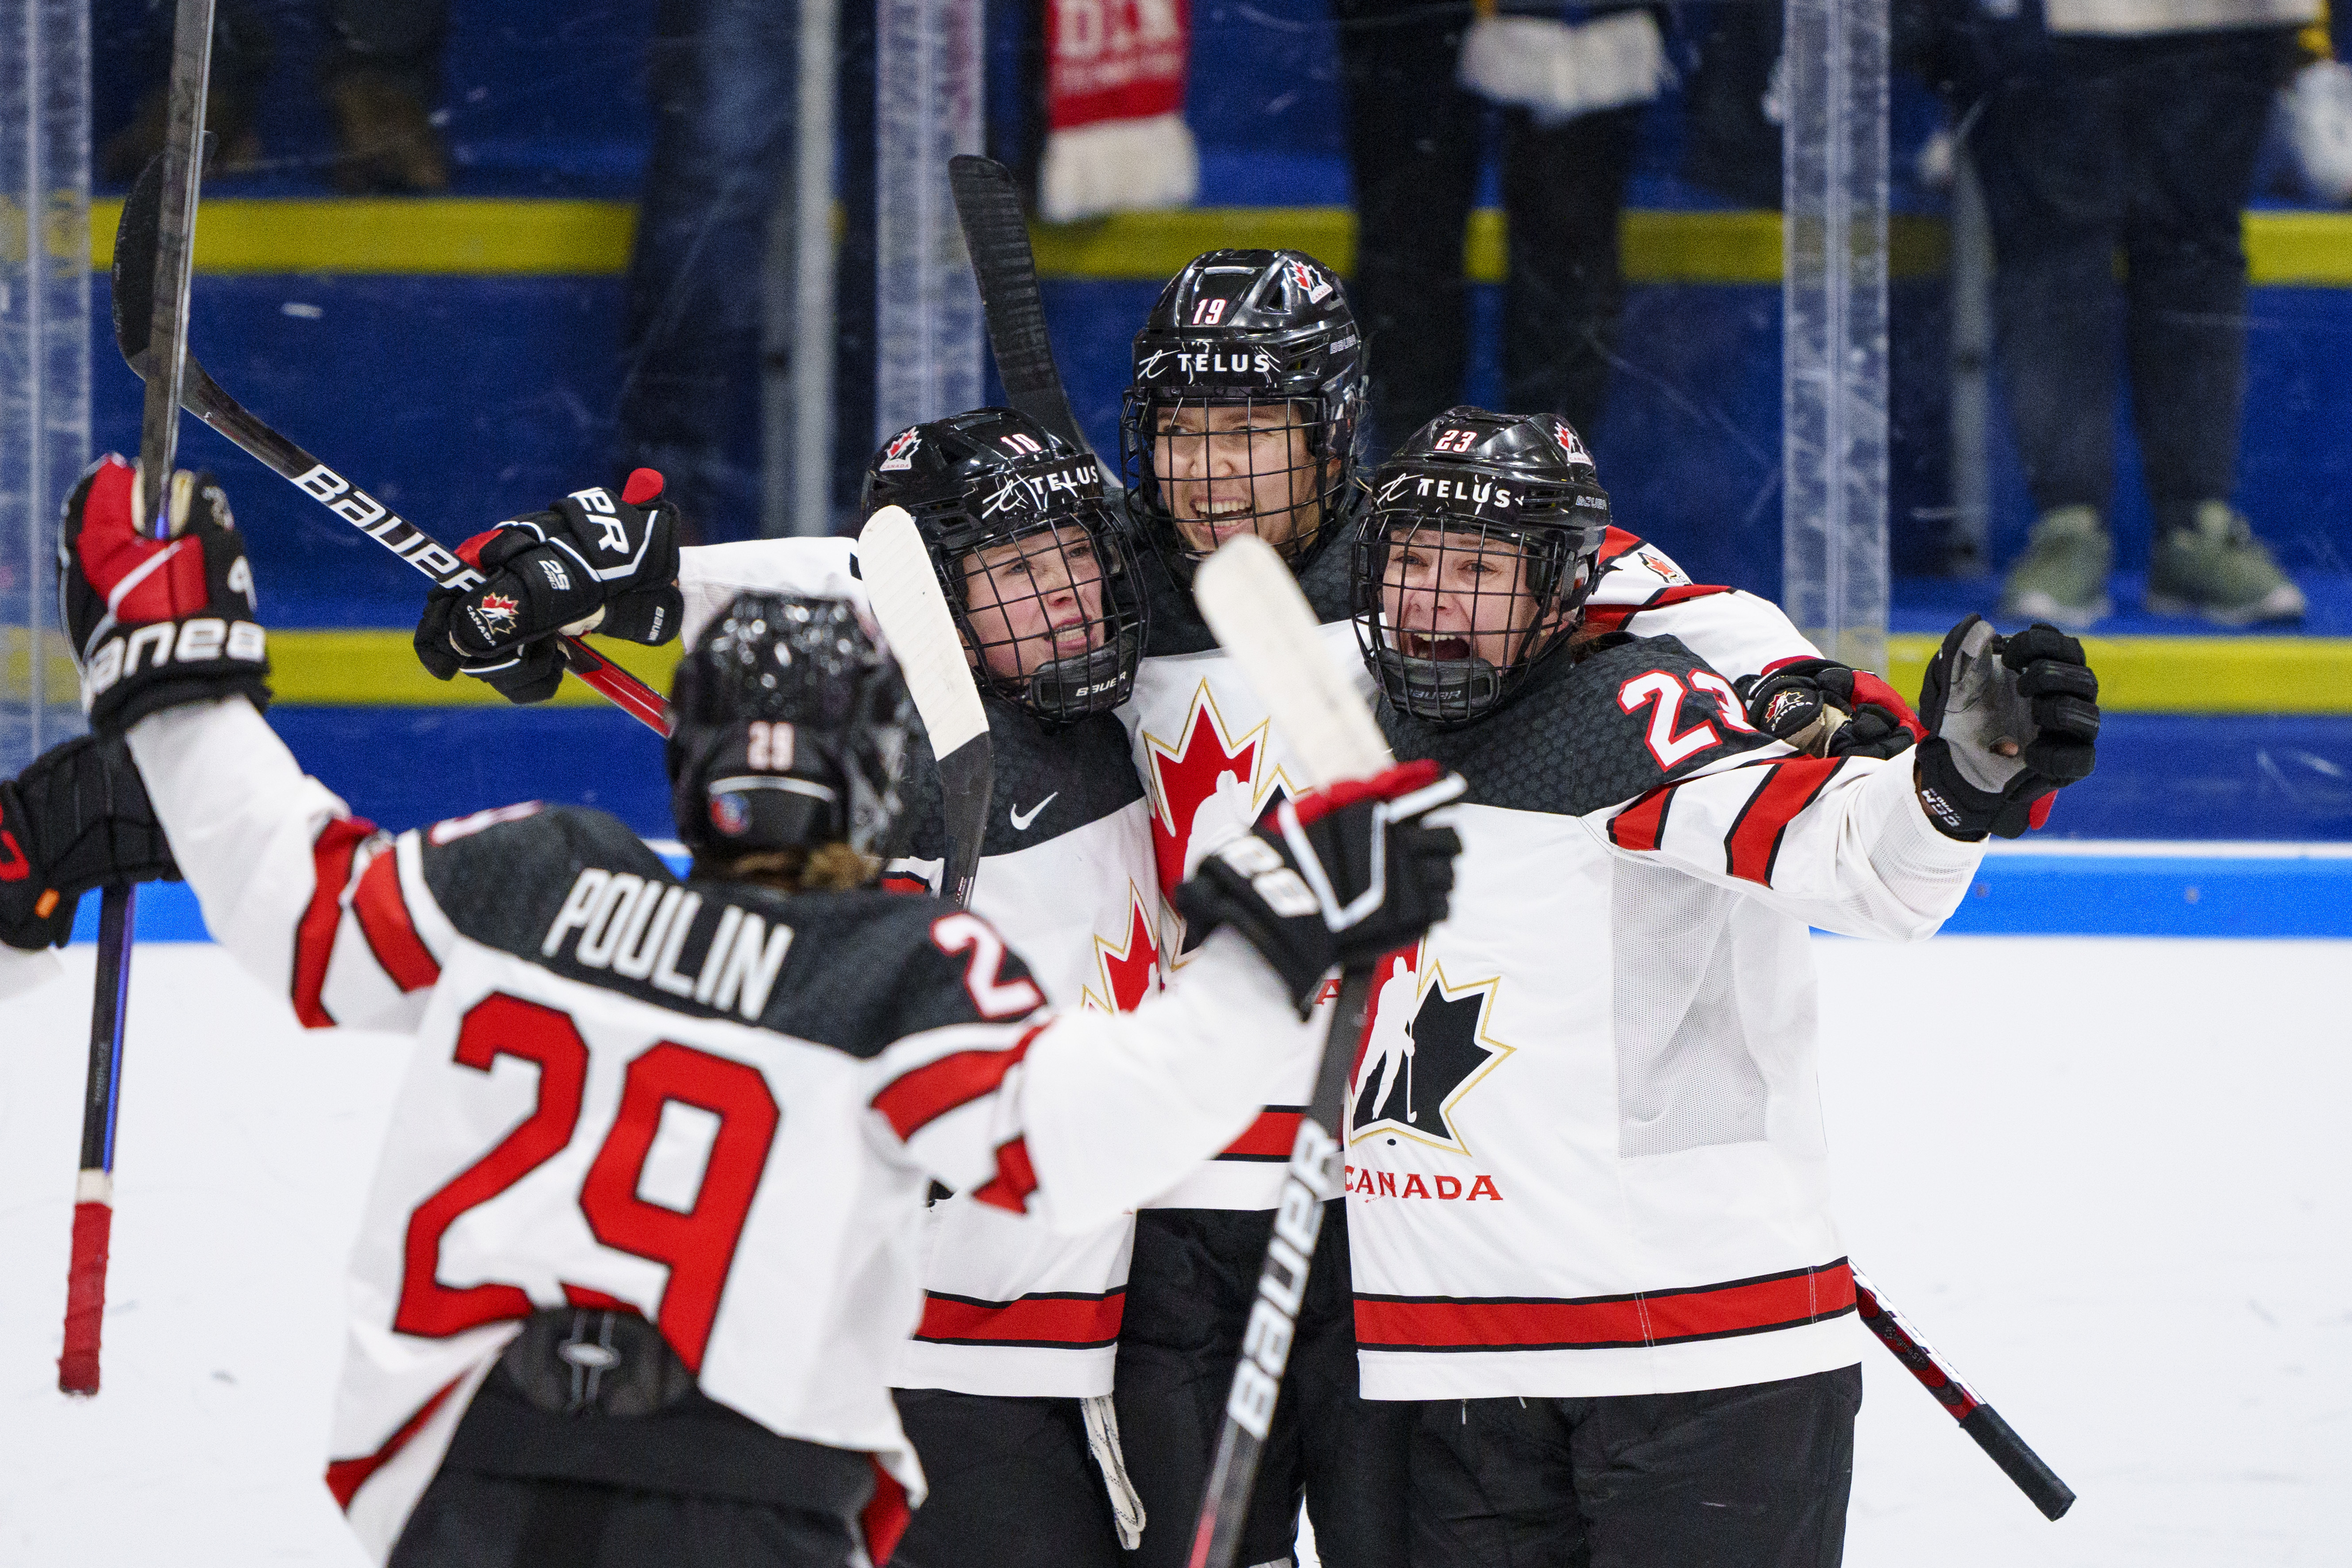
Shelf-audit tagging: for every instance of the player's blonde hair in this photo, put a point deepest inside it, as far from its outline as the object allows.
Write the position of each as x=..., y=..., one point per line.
x=825, y=868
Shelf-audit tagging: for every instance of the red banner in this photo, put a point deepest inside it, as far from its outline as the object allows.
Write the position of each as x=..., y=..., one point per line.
x=1115, y=60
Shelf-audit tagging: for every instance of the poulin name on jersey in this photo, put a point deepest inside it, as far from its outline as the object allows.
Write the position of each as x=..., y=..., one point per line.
x=639, y=930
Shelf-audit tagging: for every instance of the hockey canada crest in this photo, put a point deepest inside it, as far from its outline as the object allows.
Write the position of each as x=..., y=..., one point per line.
x=1311, y=283
x=497, y=610
x=1570, y=443
x=1427, y=1048
x=900, y=452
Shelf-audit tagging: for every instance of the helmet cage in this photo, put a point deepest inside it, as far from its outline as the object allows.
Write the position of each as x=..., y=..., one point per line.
x=1446, y=515
x=1308, y=441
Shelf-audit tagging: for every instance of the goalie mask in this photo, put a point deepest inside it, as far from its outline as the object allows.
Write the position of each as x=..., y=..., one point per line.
x=1036, y=568
x=1480, y=541
x=787, y=724
x=1249, y=381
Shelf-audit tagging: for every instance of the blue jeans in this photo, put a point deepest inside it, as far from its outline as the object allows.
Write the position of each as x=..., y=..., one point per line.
x=723, y=74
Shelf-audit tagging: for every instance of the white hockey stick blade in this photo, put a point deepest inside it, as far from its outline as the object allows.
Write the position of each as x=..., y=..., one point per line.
x=914, y=617
x=1261, y=618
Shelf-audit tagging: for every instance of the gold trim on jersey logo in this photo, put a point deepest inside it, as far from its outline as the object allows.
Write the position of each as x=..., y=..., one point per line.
x=1140, y=923
x=1428, y=977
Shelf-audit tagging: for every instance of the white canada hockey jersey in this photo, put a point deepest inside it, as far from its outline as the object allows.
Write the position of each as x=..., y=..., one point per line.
x=1212, y=764
x=715, y=1104
x=1011, y=1308
x=1585, y=1146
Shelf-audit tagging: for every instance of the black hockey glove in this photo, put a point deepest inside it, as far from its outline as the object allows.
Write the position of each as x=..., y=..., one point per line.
x=1826, y=710
x=156, y=621
x=588, y=564
x=78, y=818
x=2010, y=721
x=1336, y=878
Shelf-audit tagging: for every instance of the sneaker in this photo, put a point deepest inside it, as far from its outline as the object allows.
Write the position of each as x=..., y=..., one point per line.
x=2062, y=578
x=2217, y=568
x=386, y=136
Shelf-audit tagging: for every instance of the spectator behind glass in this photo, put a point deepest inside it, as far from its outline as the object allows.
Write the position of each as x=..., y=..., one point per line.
x=1568, y=95
x=2130, y=125
x=379, y=74
x=723, y=75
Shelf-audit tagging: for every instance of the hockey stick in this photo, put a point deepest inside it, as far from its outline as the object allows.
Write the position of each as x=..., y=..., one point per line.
x=1977, y=1418
x=913, y=611
x=169, y=254
x=1252, y=602
x=996, y=237
x=202, y=396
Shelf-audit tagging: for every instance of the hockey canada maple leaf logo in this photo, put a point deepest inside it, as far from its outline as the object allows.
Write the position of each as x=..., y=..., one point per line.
x=498, y=609
x=1426, y=1047
x=900, y=453
x=1130, y=972
x=1184, y=776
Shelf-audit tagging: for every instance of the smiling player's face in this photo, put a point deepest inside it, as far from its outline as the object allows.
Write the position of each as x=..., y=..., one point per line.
x=1237, y=467
x=1035, y=599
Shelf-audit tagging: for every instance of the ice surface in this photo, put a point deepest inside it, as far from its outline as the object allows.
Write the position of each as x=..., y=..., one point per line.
x=2105, y=1177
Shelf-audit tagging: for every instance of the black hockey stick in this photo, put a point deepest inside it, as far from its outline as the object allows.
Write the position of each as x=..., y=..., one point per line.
x=912, y=608
x=1977, y=1420
x=168, y=253
x=996, y=236
x=202, y=396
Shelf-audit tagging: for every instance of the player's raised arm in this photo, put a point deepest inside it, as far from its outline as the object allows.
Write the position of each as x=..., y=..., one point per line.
x=1866, y=846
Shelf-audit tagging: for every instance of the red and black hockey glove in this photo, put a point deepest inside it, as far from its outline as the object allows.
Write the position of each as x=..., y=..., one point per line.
x=1825, y=709
x=78, y=818
x=2012, y=721
x=590, y=563
x=157, y=622
x=1341, y=876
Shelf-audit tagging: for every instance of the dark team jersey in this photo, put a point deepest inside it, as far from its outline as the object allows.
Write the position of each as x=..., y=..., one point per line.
x=1585, y=1151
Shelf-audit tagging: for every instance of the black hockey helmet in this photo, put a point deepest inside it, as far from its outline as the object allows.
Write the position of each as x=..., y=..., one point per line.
x=996, y=496
x=1480, y=539
x=787, y=724
x=1270, y=332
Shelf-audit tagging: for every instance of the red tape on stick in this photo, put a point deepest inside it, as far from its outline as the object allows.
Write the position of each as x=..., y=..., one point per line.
x=85, y=1298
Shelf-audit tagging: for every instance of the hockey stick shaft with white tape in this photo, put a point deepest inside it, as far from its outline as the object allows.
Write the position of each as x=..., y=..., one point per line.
x=912, y=609
x=1252, y=602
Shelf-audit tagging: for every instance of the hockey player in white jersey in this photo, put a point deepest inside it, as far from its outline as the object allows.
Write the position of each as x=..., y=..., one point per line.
x=1248, y=388
x=645, y=1238
x=1588, y=1190
x=1005, y=1384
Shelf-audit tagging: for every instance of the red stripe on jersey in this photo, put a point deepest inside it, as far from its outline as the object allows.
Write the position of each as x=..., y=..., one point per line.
x=1615, y=542
x=1607, y=1322
x=390, y=934
x=1270, y=1137
x=906, y=885
x=1047, y=1320
x=1681, y=594
x=1753, y=844
x=314, y=935
x=1607, y=617
x=1014, y=1180
x=595, y=1300
x=884, y=1518
x=1643, y=825
x=914, y=1100
x=346, y=1477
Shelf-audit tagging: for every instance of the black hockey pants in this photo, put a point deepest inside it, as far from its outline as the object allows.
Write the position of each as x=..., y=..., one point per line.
x=1188, y=1294
x=1013, y=1484
x=1754, y=1477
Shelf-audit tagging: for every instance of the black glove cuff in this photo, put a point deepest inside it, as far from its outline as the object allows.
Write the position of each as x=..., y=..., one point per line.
x=1958, y=809
x=137, y=670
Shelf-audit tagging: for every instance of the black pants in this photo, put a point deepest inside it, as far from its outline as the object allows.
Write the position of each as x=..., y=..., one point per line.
x=1013, y=1484
x=2087, y=146
x=1189, y=1292
x=1414, y=144
x=1754, y=1477
x=468, y=1519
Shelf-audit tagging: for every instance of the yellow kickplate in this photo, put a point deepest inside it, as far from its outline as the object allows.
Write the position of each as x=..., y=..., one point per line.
x=2189, y=675
x=489, y=237
x=378, y=668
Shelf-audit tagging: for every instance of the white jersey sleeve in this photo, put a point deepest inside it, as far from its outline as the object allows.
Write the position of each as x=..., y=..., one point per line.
x=710, y=576
x=1840, y=843
x=1642, y=591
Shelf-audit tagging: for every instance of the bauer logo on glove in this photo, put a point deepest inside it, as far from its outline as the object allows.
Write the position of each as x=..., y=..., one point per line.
x=157, y=622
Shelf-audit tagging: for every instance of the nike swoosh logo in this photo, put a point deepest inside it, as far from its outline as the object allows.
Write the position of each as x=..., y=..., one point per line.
x=1022, y=820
